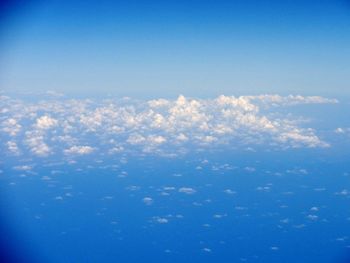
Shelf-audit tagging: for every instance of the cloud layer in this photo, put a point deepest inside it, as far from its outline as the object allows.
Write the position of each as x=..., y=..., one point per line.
x=80, y=127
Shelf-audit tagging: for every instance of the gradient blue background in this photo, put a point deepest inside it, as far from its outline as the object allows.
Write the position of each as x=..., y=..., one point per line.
x=163, y=48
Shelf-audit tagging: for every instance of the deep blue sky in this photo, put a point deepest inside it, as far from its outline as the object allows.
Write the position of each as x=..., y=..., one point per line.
x=163, y=48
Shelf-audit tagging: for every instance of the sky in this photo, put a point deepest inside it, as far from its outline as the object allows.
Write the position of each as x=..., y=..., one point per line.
x=174, y=131
x=148, y=49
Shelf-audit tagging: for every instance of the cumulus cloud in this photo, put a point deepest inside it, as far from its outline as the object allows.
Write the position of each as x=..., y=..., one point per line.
x=158, y=126
x=79, y=150
x=45, y=122
x=11, y=126
x=298, y=138
x=37, y=145
x=12, y=147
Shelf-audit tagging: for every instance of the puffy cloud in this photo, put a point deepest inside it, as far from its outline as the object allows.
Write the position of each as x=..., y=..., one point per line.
x=156, y=139
x=298, y=139
x=116, y=149
x=159, y=126
x=45, y=122
x=136, y=139
x=12, y=147
x=182, y=137
x=11, y=126
x=36, y=143
x=80, y=150
x=158, y=103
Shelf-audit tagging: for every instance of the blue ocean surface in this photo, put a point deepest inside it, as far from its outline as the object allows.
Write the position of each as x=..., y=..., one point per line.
x=219, y=203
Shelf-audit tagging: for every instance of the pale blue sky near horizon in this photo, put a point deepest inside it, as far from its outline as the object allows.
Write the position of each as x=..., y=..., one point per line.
x=165, y=48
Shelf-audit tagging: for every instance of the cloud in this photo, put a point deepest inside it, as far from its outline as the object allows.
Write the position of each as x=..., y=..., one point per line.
x=79, y=150
x=229, y=191
x=11, y=126
x=23, y=168
x=187, y=190
x=136, y=139
x=156, y=139
x=277, y=100
x=45, y=122
x=116, y=149
x=147, y=200
x=160, y=126
x=342, y=130
x=296, y=138
x=339, y=130
x=12, y=147
x=160, y=220
x=35, y=141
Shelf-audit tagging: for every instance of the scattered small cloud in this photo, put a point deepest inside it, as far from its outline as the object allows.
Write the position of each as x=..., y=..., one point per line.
x=147, y=200
x=187, y=190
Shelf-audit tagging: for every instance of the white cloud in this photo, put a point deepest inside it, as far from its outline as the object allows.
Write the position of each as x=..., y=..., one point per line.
x=342, y=130
x=136, y=139
x=229, y=191
x=187, y=190
x=116, y=149
x=23, y=168
x=339, y=130
x=219, y=216
x=160, y=220
x=80, y=150
x=11, y=126
x=249, y=169
x=45, y=122
x=12, y=147
x=36, y=143
x=156, y=139
x=160, y=126
x=182, y=137
x=158, y=103
x=296, y=138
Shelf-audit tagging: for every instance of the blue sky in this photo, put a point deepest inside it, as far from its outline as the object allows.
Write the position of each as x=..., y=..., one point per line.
x=164, y=48
x=161, y=177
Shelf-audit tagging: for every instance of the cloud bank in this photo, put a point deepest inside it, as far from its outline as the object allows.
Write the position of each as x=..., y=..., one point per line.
x=82, y=127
